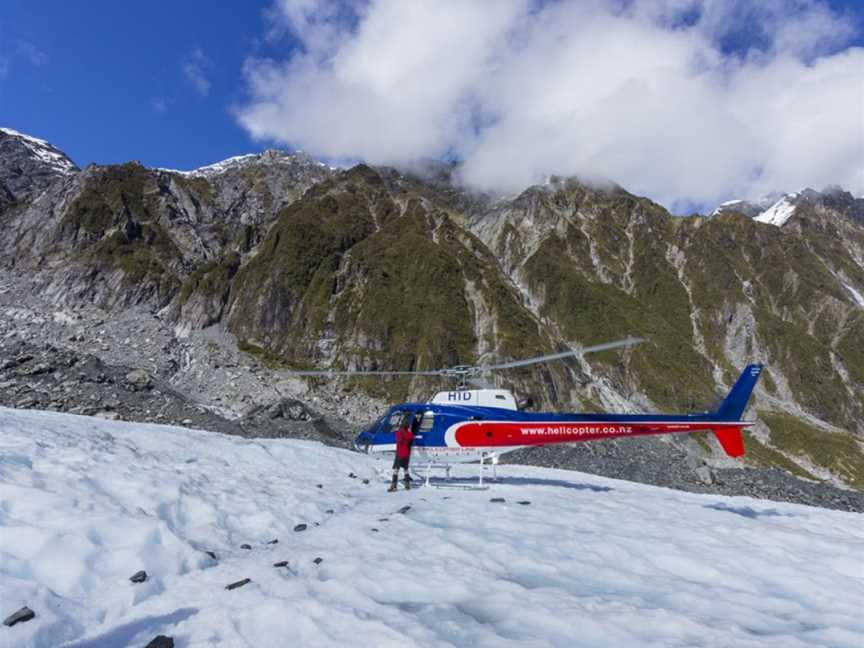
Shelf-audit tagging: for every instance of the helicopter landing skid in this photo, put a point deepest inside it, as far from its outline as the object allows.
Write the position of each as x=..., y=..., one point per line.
x=385, y=474
x=479, y=485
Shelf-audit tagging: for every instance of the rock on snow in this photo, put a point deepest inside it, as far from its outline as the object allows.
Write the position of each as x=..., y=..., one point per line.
x=592, y=562
x=20, y=616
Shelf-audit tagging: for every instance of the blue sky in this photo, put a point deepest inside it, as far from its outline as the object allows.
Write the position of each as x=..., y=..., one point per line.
x=110, y=81
x=164, y=83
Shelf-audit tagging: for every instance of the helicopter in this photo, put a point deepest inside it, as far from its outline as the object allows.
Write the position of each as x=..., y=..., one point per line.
x=467, y=425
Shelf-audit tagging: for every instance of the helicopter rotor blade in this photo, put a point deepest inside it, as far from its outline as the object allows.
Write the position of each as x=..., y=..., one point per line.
x=359, y=372
x=617, y=344
x=462, y=372
x=630, y=341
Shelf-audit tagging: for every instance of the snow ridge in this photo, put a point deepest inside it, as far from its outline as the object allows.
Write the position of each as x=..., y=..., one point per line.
x=239, y=161
x=44, y=152
x=726, y=205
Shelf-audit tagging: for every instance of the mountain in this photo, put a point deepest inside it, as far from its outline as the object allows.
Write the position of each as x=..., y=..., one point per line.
x=778, y=209
x=317, y=557
x=28, y=166
x=231, y=272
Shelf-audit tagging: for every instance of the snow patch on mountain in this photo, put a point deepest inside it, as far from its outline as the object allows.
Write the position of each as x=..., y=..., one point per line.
x=774, y=209
x=725, y=206
x=44, y=152
x=240, y=161
x=780, y=212
x=856, y=295
x=589, y=561
x=224, y=165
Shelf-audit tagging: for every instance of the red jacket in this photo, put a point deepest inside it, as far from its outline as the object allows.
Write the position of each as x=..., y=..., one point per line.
x=404, y=439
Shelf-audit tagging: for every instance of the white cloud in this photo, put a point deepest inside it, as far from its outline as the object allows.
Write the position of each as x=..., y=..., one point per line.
x=19, y=49
x=195, y=67
x=687, y=101
x=31, y=53
x=159, y=104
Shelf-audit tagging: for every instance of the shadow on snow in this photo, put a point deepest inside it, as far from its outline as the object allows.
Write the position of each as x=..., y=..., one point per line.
x=520, y=481
x=123, y=635
x=746, y=511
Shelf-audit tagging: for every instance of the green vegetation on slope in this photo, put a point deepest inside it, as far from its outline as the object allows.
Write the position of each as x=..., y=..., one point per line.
x=762, y=456
x=667, y=367
x=850, y=347
x=407, y=294
x=392, y=285
x=735, y=263
x=308, y=239
x=112, y=196
x=212, y=278
x=839, y=452
x=116, y=223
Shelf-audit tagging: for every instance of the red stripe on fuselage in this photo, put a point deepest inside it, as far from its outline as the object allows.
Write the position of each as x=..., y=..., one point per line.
x=507, y=433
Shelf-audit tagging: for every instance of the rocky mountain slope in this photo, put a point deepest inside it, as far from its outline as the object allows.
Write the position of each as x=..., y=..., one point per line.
x=29, y=165
x=269, y=261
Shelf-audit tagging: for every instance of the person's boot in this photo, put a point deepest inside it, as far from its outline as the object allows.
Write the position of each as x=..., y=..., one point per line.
x=393, y=483
x=407, y=481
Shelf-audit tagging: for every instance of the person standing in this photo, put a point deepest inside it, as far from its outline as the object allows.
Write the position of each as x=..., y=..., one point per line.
x=404, y=441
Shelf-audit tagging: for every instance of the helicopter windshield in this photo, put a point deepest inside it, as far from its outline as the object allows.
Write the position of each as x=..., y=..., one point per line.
x=391, y=421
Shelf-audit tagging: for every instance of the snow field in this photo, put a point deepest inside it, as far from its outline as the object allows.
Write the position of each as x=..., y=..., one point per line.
x=85, y=503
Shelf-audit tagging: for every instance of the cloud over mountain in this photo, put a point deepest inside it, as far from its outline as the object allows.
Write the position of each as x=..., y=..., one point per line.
x=687, y=101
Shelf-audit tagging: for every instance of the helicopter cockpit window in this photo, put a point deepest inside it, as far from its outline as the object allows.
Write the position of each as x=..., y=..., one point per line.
x=394, y=421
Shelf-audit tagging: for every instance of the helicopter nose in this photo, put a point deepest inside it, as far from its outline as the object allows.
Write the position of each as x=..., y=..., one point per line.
x=363, y=441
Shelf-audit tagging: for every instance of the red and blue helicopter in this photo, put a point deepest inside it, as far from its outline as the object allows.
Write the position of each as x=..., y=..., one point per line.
x=467, y=425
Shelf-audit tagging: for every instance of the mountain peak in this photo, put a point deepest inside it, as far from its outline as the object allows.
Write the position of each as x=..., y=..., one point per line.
x=269, y=156
x=42, y=151
x=778, y=208
x=28, y=165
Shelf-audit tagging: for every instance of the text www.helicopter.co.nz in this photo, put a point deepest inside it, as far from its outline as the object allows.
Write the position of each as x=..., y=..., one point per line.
x=576, y=430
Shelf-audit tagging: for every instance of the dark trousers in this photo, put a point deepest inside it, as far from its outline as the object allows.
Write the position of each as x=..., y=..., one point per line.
x=401, y=462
